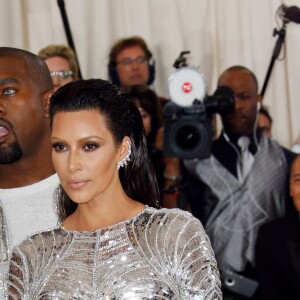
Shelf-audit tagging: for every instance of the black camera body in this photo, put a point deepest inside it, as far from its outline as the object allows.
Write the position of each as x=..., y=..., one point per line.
x=188, y=131
x=188, y=127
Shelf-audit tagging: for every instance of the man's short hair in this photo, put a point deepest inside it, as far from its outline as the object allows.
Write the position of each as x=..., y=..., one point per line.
x=124, y=43
x=36, y=67
x=241, y=68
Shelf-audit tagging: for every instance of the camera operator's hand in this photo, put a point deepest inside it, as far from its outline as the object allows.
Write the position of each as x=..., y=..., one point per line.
x=172, y=182
x=159, y=142
x=172, y=175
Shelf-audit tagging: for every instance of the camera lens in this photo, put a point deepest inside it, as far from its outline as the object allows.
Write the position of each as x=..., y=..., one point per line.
x=190, y=138
x=187, y=137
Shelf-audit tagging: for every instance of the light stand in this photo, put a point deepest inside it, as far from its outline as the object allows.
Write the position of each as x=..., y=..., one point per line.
x=61, y=5
x=276, y=52
x=286, y=14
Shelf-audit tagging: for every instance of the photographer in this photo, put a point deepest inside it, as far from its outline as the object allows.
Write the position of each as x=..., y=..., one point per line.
x=238, y=191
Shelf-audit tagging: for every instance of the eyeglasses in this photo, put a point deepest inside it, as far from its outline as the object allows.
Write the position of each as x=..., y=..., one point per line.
x=61, y=74
x=140, y=60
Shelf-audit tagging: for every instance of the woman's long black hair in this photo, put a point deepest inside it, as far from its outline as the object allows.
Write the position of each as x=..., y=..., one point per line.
x=122, y=119
x=146, y=98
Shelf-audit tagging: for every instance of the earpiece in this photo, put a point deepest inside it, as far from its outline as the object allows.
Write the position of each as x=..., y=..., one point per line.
x=151, y=66
x=226, y=137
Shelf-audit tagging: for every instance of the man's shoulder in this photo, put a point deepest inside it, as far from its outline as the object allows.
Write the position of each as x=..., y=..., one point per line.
x=44, y=183
x=279, y=228
x=273, y=226
x=271, y=233
x=289, y=155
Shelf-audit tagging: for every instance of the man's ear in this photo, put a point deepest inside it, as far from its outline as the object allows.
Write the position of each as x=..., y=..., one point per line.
x=259, y=98
x=259, y=102
x=46, y=101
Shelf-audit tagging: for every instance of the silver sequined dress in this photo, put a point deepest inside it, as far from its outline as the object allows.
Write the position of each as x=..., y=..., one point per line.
x=158, y=254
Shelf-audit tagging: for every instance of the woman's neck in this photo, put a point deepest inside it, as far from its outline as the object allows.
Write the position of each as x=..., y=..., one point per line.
x=91, y=217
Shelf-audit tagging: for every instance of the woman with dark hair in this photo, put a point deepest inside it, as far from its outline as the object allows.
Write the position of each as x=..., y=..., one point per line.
x=149, y=106
x=113, y=241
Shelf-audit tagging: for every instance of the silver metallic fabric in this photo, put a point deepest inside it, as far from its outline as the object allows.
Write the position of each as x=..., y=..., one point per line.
x=158, y=254
x=4, y=253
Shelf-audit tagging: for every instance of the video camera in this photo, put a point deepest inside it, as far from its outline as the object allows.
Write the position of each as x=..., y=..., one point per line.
x=188, y=128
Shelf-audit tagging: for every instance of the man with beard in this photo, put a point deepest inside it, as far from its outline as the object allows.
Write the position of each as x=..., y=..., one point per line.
x=243, y=184
x=27, y=176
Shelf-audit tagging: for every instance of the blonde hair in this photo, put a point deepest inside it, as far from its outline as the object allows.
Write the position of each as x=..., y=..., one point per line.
x=62, y=51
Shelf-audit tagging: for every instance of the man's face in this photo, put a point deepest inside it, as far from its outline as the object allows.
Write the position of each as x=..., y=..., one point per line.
x=22, y=118
x=295, y=183
x=241, y=121
x=132, y=66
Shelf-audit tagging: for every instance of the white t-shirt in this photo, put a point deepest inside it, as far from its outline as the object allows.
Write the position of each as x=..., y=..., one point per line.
x=29, y=209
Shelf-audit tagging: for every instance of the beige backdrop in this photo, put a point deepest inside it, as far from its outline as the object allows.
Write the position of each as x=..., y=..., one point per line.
x=219, y=33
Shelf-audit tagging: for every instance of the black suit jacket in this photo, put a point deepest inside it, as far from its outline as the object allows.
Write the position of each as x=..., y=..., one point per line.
x=278, y=258
x=197, y=192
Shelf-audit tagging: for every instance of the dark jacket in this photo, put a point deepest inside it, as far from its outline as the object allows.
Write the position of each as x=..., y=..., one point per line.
x=278, y=258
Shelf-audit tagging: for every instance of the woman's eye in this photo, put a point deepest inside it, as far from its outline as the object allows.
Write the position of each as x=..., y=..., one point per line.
x=9, y=91
x=59, y=147
x=90, y=147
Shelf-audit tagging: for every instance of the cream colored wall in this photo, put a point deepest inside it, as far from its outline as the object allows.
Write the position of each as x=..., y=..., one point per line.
x=219, y=33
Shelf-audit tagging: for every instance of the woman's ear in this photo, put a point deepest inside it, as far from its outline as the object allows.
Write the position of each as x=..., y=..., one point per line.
x=125, y=147
x=125, y=153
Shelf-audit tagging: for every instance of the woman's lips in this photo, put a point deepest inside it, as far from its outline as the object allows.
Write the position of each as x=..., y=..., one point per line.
x=78, y=184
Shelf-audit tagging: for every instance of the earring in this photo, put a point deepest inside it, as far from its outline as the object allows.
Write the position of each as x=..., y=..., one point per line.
x=126, y=159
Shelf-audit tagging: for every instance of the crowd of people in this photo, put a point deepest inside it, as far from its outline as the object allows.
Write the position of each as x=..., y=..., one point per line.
x=91, y=207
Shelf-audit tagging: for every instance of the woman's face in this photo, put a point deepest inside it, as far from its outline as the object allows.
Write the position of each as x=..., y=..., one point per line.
x=85, y=155
x=146, y=118
x=58, y=64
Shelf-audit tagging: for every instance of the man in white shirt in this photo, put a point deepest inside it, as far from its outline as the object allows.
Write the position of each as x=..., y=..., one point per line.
x=27, y=176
